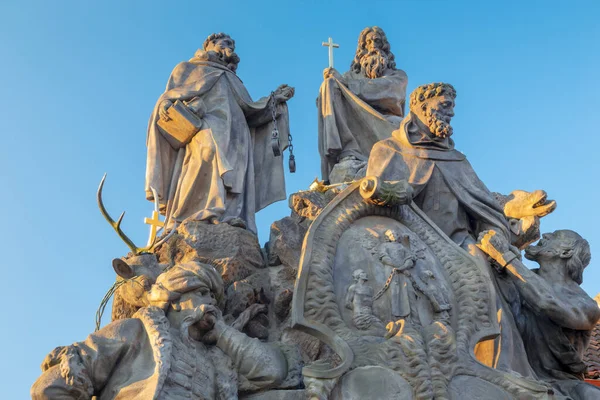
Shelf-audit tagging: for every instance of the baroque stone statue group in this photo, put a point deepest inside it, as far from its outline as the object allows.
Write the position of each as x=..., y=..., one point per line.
x=399, y=275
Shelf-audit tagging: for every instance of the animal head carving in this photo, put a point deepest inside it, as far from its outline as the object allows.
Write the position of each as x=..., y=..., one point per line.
x=520, y=204
x=140, y=273
x=523, y=211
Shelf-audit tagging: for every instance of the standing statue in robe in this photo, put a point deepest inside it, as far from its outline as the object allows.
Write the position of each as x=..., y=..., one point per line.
x=408, y=268
x=362, y=106
x=226, y=171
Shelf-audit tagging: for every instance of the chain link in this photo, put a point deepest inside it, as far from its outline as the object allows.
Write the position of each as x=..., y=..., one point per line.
x=275, y=146
x=273, y=110
x=386, y=286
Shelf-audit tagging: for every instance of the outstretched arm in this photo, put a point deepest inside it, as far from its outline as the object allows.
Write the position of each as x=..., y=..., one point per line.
x=536, y=291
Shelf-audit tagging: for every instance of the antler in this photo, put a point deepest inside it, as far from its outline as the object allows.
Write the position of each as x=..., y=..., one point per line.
x=117, y=225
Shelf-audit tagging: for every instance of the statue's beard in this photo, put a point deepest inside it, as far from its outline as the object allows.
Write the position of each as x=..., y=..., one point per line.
x=374, y=63
x=228, y=58
x=439, y=124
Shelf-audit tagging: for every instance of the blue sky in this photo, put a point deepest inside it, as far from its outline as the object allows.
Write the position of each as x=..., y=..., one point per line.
x=79, y=80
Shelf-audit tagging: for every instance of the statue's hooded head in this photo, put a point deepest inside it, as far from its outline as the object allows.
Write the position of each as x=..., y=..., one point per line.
x=433, y=104
x=562, y=244
x=220, y=47
x=373, y=55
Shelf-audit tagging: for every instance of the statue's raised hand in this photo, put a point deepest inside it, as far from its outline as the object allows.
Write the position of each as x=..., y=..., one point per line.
x=210, y=323
x=283, y=93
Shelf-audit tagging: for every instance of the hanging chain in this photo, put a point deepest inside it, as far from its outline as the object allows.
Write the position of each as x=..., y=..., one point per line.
x=387, y=283
x=275, y=133
x=275, y=145
x=292, y=164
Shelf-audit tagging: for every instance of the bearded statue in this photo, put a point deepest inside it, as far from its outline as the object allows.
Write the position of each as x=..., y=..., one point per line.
x=373, y=56
x=209, y=152
x=176, y=347
x=360, y=107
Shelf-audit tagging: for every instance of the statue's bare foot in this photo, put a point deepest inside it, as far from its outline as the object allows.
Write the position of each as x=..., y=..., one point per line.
x=237, y=222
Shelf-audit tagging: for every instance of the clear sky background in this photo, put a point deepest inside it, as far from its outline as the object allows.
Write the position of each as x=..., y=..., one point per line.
x=79, y=80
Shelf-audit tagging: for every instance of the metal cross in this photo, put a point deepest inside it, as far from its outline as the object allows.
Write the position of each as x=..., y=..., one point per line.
x=331, y=46
x=154, y=222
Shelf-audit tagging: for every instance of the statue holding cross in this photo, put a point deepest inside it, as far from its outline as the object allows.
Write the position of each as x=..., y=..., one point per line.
x=362, y=106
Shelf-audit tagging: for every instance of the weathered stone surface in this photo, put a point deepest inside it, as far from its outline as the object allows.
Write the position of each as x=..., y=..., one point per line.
x=309, y=345
x=308, y=204
x=246, y=293
x=465, y=387
x=298, y=394
x=348, y=170
x=282, y=303
x=240, y=295
x=372, y=383
x=592, y=353
x=285, y=242
x=234, y=252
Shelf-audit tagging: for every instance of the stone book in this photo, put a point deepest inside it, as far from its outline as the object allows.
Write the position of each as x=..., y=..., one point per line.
x=182, y=125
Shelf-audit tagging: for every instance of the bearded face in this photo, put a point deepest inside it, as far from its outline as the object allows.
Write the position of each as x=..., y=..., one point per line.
x=192, y=308
x=224, y=50
x=375, y=60
x=437, y=114
x=229, y=58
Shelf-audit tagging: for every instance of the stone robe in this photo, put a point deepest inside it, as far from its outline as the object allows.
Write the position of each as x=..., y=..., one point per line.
x=353, y=118
x=142, y=358
x=449, y=191
x=228, y=169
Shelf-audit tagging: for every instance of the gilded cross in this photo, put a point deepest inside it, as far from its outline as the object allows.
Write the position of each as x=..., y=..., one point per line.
x=154, y=222
x=331, y=46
